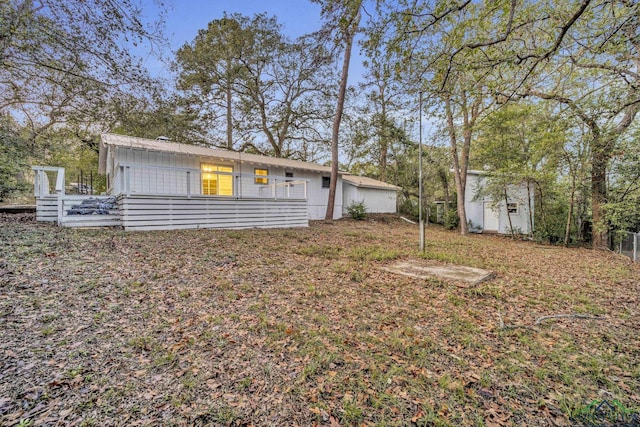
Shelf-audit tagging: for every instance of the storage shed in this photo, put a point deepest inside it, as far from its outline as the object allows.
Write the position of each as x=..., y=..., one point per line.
x=502, y=216
x=377, y=196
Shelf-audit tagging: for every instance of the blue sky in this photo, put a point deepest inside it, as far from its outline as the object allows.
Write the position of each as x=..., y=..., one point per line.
x=186, y=17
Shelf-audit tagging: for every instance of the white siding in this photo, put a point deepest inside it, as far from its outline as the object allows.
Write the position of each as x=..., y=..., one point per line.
x=47, y=209
x=159, y=181
x=376, y=200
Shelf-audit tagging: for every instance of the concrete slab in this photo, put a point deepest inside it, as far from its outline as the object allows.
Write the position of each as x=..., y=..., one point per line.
x=422, y=270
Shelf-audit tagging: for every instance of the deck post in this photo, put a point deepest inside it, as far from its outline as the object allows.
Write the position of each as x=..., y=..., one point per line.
x=60, y=193
x=60, y=207
x=127, y=180
x=37, y=184
x=188, y=184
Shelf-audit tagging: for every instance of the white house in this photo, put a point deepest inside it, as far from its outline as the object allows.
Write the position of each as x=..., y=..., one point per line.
x=485, y=215
x=166, y=185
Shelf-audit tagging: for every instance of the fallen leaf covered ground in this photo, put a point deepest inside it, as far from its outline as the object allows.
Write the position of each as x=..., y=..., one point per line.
x=303, y=327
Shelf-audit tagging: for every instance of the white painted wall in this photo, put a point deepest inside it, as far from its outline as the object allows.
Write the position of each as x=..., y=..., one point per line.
x=156, y=180
x=475, y=206
x=376, y=200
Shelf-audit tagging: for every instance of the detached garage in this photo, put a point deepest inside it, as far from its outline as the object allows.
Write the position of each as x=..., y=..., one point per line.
x=377, y=196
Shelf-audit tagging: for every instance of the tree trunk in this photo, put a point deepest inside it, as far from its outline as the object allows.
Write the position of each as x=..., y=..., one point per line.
x=506, y=202
x=599, y=196
x=383, y=142
x=543, y=217
x=445, y=189
x=459, y=168
x=349, y=35
x=567, y=230
x=530, y=209
x=229, y=119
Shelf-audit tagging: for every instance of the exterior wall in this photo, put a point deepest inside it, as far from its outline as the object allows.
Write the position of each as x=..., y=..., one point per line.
x=376, y=200
x=156, y=180
x=317, y=197
x=475, y=206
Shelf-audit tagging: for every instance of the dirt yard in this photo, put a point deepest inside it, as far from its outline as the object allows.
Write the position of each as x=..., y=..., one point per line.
x=303, y=327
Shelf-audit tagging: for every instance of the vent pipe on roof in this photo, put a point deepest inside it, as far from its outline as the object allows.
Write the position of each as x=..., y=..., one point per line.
x=162, y=138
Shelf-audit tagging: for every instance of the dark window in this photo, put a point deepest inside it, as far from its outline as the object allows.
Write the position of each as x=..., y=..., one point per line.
x=288, y=175
x=326, y=181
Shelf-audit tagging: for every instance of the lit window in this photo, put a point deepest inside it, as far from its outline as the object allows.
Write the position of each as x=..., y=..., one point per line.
x=261, y=172
x=326, y=182
x=512, y=208
x=217, y=180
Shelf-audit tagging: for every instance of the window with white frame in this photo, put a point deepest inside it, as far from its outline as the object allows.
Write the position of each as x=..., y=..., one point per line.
x=217, y=180
x=513, y=208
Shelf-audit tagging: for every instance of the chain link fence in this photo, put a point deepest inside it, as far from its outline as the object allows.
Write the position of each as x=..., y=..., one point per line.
x=630, y=246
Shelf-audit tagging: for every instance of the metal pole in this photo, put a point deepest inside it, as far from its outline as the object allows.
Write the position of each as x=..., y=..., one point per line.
x=420, y=181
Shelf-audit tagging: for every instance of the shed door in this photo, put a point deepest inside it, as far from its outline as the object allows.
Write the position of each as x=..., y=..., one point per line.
x=491, y=221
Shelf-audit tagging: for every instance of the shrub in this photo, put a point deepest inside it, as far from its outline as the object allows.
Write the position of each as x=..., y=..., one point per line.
x=451, y=219
x=409, y=208
x=357, y=210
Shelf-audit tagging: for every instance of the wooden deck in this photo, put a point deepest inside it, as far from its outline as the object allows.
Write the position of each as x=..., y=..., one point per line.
x=144, y=212
x=281, y=204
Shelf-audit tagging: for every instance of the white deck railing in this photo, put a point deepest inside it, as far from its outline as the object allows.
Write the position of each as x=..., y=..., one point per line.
x=130, y=178
x=41, y=186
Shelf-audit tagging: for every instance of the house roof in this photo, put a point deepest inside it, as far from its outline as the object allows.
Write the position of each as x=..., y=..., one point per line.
x=363, y=181
x=194, y=150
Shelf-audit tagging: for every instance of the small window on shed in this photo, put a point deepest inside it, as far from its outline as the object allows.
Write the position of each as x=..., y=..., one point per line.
x=326, y=181
x=513, y=208
x=288, y=175
x=261, y=172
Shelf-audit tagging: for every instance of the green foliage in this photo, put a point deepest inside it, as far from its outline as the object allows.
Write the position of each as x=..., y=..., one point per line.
x=14, y=157
x=451, y=219
x=357, y=210
x=76, y=155
x=62, y=60
x=522, y=145
x=243, y=76
x=409, y=208
x=159, y=116
x=621, y=209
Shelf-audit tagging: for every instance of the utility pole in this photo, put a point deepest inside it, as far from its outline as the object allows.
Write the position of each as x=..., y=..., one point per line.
x=421, y=219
